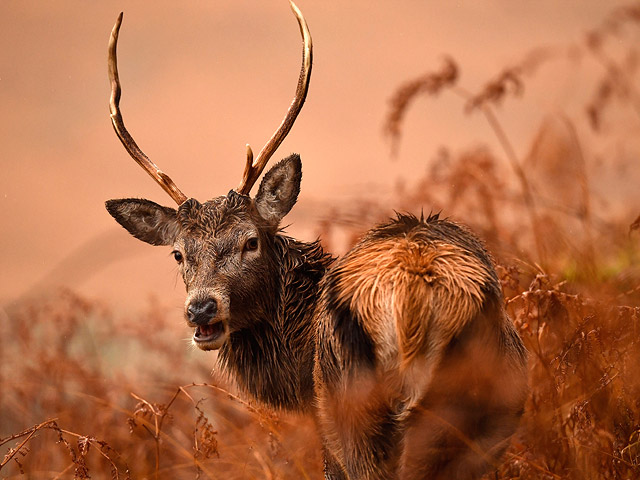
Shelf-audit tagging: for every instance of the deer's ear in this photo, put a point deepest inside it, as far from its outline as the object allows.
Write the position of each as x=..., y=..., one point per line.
x=145, y=220
x=279, y=189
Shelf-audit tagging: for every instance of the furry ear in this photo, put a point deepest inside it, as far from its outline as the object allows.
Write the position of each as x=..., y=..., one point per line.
x=145, y=220
x=279, y=189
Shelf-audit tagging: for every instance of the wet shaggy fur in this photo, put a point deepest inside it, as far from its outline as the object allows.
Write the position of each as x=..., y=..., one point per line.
x=272, y=359
x=401, y=349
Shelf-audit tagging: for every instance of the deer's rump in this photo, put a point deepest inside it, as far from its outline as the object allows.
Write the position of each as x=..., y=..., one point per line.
x=419, y=372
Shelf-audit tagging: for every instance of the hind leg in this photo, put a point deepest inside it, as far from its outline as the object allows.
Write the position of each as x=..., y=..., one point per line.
x=332, y=468
x=454, y=442
x=361, y=431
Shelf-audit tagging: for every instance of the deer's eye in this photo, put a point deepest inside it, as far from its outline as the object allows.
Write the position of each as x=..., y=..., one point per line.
x=251, y=244
x=178, y=256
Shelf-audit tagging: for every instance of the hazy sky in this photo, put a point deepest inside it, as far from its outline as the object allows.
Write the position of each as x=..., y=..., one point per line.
x=203, y=78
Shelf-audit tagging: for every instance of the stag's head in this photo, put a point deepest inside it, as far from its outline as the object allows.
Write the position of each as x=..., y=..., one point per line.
x=225, y=247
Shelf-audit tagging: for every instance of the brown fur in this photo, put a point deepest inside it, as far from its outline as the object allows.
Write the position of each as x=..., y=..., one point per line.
x=416, y=283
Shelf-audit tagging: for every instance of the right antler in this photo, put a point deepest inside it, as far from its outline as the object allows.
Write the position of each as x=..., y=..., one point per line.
x=253, y=169
x=118, y=124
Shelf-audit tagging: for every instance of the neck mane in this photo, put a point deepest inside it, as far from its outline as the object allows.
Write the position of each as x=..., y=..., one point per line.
x=272, y=360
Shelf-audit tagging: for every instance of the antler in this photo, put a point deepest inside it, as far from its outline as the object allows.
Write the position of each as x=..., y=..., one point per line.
x=118, y=124
x=253, y=169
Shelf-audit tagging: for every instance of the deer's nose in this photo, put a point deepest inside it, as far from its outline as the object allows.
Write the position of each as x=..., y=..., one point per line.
x=201, y=312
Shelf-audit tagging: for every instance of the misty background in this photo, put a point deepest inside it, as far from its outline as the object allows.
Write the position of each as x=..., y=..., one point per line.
x=201, y=79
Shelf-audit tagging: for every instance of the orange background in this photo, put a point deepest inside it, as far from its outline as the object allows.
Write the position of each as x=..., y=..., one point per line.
x=202, y=78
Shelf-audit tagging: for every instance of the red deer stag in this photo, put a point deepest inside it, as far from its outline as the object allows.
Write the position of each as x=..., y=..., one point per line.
x=401, y=350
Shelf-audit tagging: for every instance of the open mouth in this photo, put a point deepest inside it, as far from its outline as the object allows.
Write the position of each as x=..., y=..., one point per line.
x=209, y=337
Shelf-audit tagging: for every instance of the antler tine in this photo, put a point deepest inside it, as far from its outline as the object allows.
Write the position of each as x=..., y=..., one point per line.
x=253, y=169
x=118, y=124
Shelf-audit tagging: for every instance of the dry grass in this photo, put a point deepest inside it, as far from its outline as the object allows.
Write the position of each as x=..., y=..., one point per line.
x=84, y=393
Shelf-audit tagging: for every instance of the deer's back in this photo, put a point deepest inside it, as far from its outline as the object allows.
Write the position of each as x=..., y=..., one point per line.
x=405, y=291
